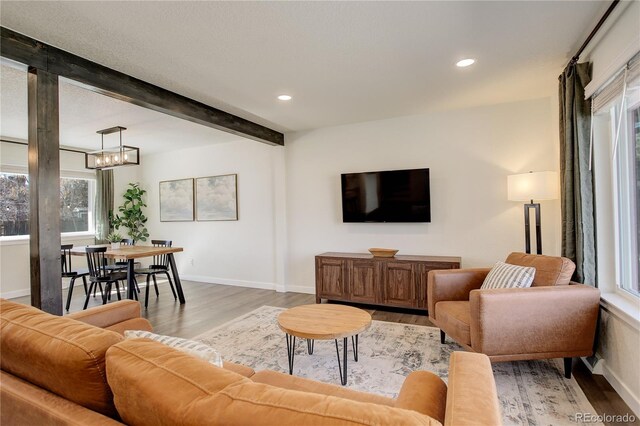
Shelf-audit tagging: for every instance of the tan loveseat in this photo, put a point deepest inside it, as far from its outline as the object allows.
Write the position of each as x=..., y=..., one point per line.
x=554, y=318
x=66, y=370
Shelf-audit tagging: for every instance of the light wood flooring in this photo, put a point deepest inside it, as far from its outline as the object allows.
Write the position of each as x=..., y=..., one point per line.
x=210, y=305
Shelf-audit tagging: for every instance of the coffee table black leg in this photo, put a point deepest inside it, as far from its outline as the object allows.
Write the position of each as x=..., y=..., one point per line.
x=310, y=346
x=355, y=348
x=342, y=368
x=291, y=350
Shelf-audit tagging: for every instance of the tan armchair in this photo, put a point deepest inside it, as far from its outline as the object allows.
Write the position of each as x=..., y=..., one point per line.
x=554, y=318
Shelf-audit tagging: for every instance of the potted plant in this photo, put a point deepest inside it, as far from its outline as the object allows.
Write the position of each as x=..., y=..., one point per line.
x=131, y=215
x=114, y=238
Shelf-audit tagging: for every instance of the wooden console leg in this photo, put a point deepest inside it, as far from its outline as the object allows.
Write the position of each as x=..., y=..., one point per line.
x=318, y=299
x=442, y=336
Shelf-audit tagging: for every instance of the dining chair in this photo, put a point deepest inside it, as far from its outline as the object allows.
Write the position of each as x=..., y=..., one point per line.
x=121, y=264
x=159, y=265
x=68, y=272
x=99, y=274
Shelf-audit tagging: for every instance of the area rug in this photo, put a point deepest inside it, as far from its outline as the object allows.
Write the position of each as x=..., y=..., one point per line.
x=530, y=392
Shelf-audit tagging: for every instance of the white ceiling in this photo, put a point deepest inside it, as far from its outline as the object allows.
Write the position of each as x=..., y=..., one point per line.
x=342, y=62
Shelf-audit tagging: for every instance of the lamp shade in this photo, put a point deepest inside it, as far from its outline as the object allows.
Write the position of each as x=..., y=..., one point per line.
x=533, y=186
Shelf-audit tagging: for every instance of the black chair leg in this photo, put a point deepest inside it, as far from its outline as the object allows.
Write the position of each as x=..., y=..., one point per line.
x=73, y=280
x=146, y=293
x=568, y=366
x=155, y=284
x=84, y=282
x=442, y=336
x=173, y=290
x=117, y=283
x=86, y=300
x=107, y=293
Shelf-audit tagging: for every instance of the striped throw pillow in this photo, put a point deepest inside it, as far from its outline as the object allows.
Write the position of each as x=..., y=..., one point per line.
x=197, y=349
x=505, y=275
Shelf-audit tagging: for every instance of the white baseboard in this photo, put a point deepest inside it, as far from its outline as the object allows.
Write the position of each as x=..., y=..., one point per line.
x=625, y=393
x=15, y=293
x=227, y=281
x=300, y=289
x=250, y=284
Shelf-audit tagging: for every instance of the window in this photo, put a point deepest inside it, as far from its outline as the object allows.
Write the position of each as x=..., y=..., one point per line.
x=14, y=204
x=76, y=204
x=626, y=170
x=616, y=147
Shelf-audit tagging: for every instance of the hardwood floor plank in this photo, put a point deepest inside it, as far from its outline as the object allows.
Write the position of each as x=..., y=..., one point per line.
x=211, y=305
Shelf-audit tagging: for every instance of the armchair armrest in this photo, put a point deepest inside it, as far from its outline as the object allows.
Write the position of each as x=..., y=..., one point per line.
x=424, y=392
x=117, y=316
x=452, y=285
x=472, y=397
x=540, y=321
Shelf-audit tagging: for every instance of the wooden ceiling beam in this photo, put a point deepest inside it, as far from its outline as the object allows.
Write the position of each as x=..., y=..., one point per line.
x=100, y=79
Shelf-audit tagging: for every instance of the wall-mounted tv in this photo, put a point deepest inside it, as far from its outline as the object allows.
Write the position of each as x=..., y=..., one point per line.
x=386, y=196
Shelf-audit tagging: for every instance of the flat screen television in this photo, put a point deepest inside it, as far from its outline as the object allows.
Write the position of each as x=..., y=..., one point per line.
x=386, y=196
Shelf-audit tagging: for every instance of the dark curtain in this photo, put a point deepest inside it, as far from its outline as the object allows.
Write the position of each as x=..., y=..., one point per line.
x=577, y=198
x=104, y=204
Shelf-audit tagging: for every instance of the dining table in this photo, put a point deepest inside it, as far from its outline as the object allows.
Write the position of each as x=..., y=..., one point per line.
x=130, y=253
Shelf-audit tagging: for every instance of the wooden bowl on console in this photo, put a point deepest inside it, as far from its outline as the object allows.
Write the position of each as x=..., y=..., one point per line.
x=382, y=252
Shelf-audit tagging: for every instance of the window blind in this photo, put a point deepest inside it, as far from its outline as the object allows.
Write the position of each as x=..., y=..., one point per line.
x=609, y=92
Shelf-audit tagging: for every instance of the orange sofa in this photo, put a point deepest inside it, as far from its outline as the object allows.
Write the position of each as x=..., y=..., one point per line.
x=79, y=370
x=554, y=318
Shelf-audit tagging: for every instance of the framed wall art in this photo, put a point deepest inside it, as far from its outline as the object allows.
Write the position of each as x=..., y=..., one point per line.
x=217, y=198
x=176, y=200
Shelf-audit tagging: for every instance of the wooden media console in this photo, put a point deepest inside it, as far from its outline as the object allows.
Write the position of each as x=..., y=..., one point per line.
x=399, y=281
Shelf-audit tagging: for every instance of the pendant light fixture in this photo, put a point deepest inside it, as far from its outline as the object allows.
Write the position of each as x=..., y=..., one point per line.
x=110, y=158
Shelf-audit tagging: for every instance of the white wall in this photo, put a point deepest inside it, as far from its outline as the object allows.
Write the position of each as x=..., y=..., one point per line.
x=14, y=255
x=242, y=252
x=469, y=153
x=619, y=337
x=121, y=178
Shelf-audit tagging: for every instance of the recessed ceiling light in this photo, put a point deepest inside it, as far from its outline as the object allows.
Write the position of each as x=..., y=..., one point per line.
x=284, y=97
x=465, y=62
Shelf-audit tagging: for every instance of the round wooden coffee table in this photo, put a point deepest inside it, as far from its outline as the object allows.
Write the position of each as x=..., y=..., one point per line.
x=324, y=322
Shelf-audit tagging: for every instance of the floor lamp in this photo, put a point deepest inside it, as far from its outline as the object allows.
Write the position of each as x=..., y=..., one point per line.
x=528, y=187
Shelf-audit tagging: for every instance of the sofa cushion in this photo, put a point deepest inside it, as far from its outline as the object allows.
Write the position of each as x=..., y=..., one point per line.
x=155, y=385
x=258, y=404
x=550, y=270
x=505, y=275
x=61, y=355
x=454, y=318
